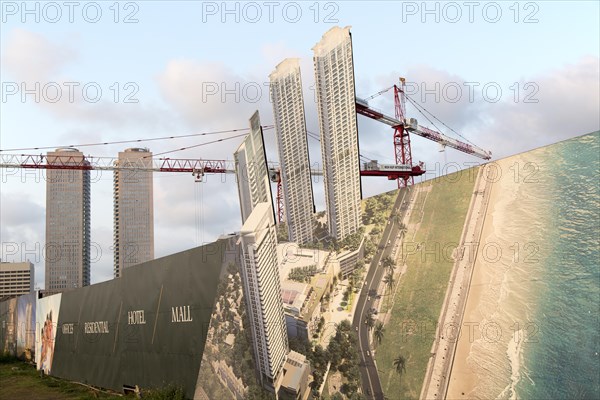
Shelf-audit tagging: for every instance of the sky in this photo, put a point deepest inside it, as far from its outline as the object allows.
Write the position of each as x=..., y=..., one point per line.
x=507, y=76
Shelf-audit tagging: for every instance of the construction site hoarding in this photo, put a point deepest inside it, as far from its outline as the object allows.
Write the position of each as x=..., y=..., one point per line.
x=146, y=329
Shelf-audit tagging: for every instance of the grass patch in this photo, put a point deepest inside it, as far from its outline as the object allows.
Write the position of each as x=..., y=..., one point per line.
x=417, y=305
x=20, y=380
x=168, y=393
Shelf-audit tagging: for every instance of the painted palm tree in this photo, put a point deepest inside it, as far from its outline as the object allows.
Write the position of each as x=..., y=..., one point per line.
x=386, y=280
x=389, y=283
x=388, y=263
x=370, y=321
x=378, y=332
x=402, y=228
x=400, y=364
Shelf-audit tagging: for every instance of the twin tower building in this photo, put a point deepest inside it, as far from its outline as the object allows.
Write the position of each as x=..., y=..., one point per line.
x=68, y=250
x=259, y=268
x=335, y=97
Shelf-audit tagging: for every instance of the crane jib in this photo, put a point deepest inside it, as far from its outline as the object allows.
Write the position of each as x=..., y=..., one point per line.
x=363, y=108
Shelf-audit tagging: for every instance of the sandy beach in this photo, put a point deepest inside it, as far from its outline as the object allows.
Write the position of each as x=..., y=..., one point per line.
x=463, y=379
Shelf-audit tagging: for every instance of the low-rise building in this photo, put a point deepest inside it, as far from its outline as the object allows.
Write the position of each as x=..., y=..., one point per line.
x=16, y=278
x=348, y=259
x=295, y=377
x=294, y=296
x=303, y=301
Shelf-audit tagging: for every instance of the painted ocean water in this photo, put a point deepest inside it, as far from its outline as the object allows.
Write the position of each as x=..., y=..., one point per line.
x=542, y=307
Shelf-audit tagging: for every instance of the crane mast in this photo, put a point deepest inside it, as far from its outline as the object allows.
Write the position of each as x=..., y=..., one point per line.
x=401, y=137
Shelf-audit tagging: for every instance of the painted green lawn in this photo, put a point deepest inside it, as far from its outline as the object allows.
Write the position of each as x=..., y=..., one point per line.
x=418, y=302
x=417, y=206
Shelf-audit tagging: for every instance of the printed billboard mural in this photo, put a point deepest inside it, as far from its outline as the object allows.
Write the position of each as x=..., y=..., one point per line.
x=26, y=318
x=8, y=327
x=47, y=310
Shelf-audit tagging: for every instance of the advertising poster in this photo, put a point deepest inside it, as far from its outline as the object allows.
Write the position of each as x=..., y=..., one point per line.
x=26, y=326
x=47, y=317
x=9, y=325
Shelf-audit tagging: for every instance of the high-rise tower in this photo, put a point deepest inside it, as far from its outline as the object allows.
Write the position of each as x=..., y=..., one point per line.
x=259, y=268
x=133, y=210
x=336, y=100
x=67, y=223
x=262, y=289
x=290, y=123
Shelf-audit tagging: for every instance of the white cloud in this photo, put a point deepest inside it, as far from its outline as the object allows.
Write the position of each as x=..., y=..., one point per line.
x=212, y=96
x=569, y=104
x=29, y=56
x=38, y=65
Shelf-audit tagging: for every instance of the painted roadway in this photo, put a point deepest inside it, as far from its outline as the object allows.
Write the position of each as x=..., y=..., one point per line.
x=371, y=385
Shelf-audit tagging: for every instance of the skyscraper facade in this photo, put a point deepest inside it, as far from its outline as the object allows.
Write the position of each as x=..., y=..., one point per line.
x=290, y=123
x=133, y=210
x=334, y=79
x=67, y=250
x=251, y=170
x=260, y=276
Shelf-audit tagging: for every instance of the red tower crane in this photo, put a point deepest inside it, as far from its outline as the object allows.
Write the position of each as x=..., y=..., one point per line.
x=197, y=167
x=404, y=126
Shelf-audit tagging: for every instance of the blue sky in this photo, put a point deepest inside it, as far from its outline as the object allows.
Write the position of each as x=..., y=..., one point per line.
x=176, y=49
